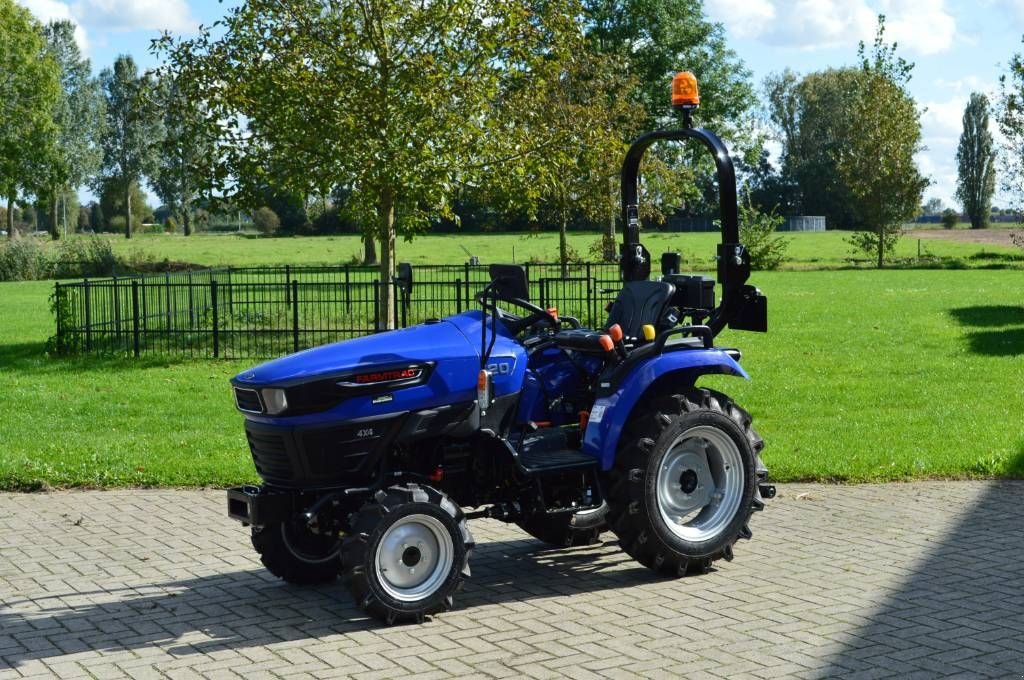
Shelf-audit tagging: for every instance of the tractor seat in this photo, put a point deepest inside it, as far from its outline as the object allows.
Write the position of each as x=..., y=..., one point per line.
x=640, y=303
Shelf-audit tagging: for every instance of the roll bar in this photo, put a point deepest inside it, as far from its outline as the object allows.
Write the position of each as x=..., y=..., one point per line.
x=733, y=258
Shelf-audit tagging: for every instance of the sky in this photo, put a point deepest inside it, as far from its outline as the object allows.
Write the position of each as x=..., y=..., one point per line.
x=957, y=46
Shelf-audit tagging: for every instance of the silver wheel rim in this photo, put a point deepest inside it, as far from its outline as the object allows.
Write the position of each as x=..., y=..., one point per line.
x=303, y=556
x=700, y=483
x=414, y=557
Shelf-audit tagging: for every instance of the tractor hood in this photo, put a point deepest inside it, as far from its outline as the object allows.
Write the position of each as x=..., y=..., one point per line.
x=426, y=366
x=436, y=343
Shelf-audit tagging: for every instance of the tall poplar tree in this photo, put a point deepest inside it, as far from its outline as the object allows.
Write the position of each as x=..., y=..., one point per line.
x=79, y=119
x=133, y=129
x=976, y=163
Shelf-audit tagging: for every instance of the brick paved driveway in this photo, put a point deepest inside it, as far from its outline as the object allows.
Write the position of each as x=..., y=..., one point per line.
x=897, y=580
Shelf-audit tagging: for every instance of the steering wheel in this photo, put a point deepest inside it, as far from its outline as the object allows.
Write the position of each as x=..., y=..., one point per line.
x=515, y=323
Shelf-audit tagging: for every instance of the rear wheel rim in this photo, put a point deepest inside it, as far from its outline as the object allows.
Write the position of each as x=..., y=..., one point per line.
x=700, y=483
x=414, y=557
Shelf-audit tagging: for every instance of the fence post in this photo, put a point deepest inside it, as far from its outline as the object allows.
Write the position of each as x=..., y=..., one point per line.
x=213, y=303
x=58, y=306
x=135, y=317
x=348, y=291
x=191, y=303
x=167, y=314
x=88, y=317
x=117, y=310
x=295, y=315
x=469, y=294
x=287, y=278
x=458, y=296
x=376, y=306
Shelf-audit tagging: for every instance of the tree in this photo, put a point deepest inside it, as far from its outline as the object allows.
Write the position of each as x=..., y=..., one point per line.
x=949, y=218
x=1010, y=116
x=976, y=159
x=933, y=206
x=653, y=39
x=266, y=222
x=390, y=98
x=884, y=133
x=184, y=159
x=112, y=203
x=28, y=94
x=132, y=129
x=78, y=117
x=97, y=222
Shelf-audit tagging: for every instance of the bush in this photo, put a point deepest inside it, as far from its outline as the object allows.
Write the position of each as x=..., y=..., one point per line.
x=266, y=221
x=949, y=218
x=83, y=257
x=171, y=225
x=757, y=232
x=22, y=259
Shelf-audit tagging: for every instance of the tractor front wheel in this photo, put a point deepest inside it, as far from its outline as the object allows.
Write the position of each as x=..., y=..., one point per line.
x=407, y=553
x=685, y=482
x=292, y=552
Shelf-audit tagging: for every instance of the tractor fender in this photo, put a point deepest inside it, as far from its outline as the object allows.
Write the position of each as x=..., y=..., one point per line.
x=612, y=409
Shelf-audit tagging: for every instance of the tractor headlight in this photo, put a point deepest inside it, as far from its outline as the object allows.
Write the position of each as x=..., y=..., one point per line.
x=275, y=401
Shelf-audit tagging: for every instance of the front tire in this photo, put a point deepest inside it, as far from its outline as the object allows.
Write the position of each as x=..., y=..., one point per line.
x=293, y=553
x=685, y=482
x=407, y=554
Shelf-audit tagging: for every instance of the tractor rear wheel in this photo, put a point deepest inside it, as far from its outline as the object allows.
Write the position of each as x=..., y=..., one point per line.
x=290, y=551
x=407, y=553
x=567, y=530
x=685, y=481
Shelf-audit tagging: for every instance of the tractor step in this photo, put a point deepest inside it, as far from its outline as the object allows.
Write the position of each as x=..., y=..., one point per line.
x=540, y=459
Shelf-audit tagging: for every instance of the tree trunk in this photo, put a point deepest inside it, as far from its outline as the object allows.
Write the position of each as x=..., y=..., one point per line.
x=186, y=220
x=10, y=216
x=563, y=246
x=386, y=217
x=369, y=249
x=54, y=223
x=881, y=247
x=128, y=209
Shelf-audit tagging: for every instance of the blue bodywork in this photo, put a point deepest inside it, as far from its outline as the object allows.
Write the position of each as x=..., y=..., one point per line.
x=610, y=412
x=452, y=346
x=545, y=380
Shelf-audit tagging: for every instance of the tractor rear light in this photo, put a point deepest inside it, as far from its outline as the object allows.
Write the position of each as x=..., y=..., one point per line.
x=685, y=94
x=484, y=386
x=437, y=475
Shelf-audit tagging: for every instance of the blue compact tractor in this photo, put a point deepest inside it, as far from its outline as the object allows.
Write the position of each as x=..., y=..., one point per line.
x=375, y=452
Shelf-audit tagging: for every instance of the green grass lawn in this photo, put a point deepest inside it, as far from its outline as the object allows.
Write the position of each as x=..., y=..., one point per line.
x=826, y=250
x=865, y=375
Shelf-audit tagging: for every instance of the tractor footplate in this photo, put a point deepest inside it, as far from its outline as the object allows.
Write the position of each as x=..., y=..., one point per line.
x=546, y=460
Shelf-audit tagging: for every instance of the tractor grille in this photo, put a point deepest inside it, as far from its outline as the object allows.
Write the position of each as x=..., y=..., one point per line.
x=270, y=455
x=248, y=400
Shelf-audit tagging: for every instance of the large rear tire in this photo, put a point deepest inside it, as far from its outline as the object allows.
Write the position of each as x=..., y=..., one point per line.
x=567, y=530
x=407, y=554
x=293, y=553
x=685, y=481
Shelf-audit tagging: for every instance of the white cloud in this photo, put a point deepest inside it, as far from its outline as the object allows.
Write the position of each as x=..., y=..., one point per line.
x=745, y=18
x=51, y=10
x=922, y=26
x=136, y=15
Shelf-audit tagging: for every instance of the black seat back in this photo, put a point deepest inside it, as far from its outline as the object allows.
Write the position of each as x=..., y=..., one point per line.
x=640, y=303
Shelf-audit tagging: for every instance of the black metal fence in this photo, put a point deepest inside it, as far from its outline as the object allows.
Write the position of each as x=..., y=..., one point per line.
x=267, y=311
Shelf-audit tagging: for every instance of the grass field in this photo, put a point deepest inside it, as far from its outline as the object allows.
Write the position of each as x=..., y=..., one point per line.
x=865, y=375
x=827, y=250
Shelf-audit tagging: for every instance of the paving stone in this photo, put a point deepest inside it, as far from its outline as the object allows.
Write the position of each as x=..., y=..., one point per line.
x=873, y=581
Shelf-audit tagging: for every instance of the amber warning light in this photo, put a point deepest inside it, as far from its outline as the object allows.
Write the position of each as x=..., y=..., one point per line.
x=685, y=94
